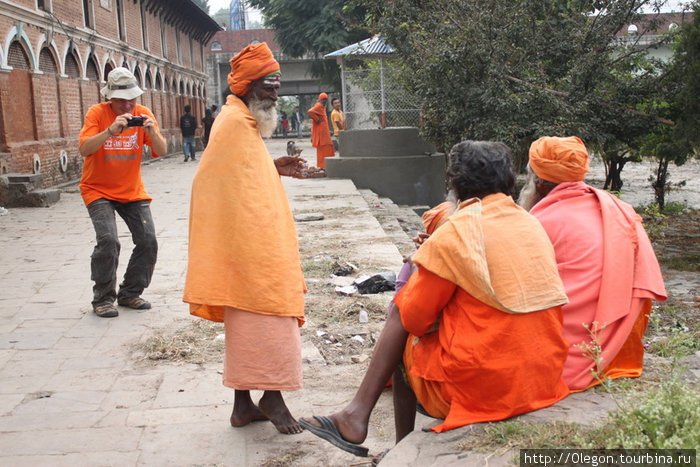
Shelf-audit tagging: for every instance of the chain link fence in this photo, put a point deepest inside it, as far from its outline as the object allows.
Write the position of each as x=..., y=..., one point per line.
x=374, y=97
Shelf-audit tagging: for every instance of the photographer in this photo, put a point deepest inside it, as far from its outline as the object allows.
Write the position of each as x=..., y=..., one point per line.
x=112, y=141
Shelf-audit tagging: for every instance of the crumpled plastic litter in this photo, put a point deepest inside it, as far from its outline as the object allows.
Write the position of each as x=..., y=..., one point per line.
x=376, y=284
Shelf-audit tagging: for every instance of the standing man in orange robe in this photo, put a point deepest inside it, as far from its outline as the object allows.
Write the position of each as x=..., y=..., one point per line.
x=243, y=264
x=605, y=260
x=320, y=132
x=475, y=334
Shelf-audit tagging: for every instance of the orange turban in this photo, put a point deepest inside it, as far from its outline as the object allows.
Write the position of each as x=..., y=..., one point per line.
x=559, y=160
x=323, y=95
x=254, y=62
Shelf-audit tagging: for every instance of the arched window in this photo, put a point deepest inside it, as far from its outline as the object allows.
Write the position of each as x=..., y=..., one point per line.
x=47, y=64
x=108, y=70
x=72, y=68
x=632, y=30
x=91, y=70
x=215, y=46
x=17, y=57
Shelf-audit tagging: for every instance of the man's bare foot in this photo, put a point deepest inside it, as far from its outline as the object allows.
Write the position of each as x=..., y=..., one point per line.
x=273, y=407
x=251, y=414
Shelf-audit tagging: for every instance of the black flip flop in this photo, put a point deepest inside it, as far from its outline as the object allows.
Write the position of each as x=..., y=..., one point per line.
x=330, y=433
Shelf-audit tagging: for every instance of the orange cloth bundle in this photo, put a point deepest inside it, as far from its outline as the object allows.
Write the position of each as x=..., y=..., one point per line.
x=254, y=62
x=559, y=160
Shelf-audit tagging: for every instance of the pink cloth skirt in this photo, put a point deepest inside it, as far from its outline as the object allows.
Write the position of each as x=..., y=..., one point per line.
x=263, y=352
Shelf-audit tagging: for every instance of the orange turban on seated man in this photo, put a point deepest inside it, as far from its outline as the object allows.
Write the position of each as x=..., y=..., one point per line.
x=254, y=62
x=558, y=160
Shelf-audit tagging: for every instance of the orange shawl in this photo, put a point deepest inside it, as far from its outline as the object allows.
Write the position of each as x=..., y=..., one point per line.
x=243, y=249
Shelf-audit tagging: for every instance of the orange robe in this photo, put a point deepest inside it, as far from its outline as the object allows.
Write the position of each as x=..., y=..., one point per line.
x=610, y=273
x=243, y=249
x=320, y=134
x=498, y=349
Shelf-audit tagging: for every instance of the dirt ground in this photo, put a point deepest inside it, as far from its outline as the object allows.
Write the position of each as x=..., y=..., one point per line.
x=345, y=344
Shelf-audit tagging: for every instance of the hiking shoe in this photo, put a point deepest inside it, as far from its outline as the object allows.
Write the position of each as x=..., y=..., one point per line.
x=105, y=310
x=137, y=303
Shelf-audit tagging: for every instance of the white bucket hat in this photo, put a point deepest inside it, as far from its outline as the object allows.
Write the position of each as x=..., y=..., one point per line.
x=121, y=84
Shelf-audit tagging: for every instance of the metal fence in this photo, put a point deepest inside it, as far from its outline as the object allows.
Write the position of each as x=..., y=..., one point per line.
x=374, y=98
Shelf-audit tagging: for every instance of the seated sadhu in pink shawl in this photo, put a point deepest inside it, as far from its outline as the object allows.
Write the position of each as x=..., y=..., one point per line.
x=604, y=257
x=475, y=333
x=243, y=264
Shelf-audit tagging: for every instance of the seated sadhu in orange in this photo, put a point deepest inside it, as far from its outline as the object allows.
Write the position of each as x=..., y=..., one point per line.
x=605, y=260
x=476, y=330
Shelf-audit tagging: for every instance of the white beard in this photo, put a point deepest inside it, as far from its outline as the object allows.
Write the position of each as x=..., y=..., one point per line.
x=528, y=194
x=265, y=112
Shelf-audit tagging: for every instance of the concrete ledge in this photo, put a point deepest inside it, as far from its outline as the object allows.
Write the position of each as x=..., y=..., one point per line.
x=388, y=142
x=409, y=180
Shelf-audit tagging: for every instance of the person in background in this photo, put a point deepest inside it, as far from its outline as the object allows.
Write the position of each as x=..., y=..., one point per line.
x=207, y=122
x=320, y=133
x=297, y=120
x=188, y=125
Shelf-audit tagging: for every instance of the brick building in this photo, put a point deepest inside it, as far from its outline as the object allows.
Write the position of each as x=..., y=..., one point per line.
x=55, y=56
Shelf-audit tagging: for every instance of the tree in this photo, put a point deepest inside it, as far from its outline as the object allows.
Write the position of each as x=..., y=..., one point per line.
x=313, y=28
x=514, y=71
x=680, y=103
x=203, y=4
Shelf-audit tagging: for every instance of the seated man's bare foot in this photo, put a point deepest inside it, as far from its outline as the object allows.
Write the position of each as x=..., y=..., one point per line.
x=251, y=414
x=277, y=412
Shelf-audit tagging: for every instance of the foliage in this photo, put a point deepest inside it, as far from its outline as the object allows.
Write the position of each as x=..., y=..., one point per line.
x=679, y=343
x=203, y=4
x=654, y=220
x=312, y=28
x=679, y=103
x=516, y=71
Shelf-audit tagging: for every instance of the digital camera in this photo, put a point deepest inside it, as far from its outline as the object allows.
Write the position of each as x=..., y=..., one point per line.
x=135, y=121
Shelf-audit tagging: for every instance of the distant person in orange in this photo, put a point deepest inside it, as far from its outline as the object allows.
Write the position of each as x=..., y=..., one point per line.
x=337, y=117
x=320, y=133
x=111, y=142
x=605, y=260
x=475, y=333
x=243, y=264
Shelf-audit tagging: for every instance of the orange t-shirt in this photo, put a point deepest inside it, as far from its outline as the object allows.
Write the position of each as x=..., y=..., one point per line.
x=114, y=171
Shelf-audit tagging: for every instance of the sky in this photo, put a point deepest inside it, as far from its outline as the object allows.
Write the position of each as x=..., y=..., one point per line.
x=216, y=5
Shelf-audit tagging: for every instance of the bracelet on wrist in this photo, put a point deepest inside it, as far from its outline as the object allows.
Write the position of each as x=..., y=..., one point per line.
x=110, y=132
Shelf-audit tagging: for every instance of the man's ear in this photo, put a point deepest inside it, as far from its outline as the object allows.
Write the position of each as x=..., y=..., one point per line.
x=543, y=187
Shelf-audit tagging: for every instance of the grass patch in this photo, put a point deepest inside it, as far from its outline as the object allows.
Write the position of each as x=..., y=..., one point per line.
x=667, y=417
x=678, y=344
x=195, y=343
x=690, y=263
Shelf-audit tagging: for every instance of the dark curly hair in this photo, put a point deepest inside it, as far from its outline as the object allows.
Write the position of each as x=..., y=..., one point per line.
x=480, y=168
